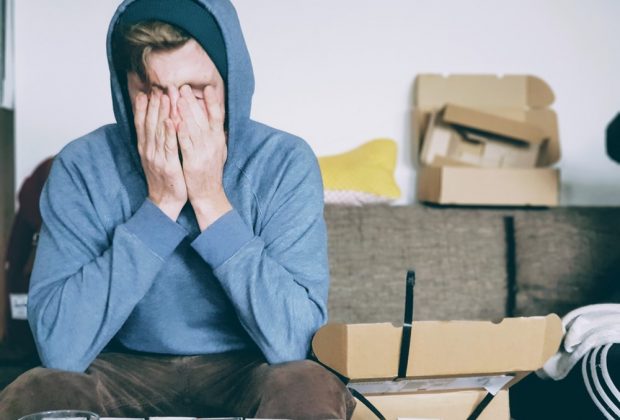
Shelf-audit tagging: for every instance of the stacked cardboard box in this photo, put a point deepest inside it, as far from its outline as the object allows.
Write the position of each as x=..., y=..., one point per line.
x=486, y=140
x=452, y=366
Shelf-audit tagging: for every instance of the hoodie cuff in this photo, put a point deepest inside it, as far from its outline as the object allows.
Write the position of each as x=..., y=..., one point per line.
x=222, y=239
x=155, y=229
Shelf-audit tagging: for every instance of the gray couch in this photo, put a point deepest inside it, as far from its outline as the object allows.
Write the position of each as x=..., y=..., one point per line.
x=470, y=263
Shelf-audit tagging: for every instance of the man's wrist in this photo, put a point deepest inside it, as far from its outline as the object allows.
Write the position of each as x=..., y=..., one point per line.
x=209, y=210
x=170, y=209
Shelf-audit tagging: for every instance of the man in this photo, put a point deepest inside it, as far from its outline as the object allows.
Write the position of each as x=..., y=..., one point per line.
x=182, y=264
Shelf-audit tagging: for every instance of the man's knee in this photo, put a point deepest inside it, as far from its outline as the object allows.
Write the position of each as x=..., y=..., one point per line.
x=304, y=389
x=41, y=389
x=35, y=382
x=302, y=375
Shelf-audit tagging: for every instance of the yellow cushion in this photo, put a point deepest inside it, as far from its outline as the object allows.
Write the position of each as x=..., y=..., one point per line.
x=367, y=169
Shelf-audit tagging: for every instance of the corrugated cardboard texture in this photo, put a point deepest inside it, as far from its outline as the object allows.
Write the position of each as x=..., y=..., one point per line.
x=435, y=405
x=440, y=348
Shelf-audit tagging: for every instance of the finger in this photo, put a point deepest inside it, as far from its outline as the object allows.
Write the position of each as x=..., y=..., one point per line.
x=215, y=108
x=152, y=115
x=191, y=125
x=164, y=113
x=194, y=105
x=185, y=142
x=139, y=115
x=171, y=147
x=164, y=109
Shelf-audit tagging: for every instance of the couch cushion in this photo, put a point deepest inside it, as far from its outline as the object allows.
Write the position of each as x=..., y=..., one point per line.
x=566, y=258
x=459, y=256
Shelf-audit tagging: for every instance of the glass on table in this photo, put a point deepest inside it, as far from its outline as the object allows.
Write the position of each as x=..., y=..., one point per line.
x=62, y=415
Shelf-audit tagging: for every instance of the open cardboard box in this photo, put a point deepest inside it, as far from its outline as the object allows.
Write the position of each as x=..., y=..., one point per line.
x=461, y=136
x=451, y=365
x=505, y=173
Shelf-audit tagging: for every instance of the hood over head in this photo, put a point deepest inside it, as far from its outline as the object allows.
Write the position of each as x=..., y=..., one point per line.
x=215, y=26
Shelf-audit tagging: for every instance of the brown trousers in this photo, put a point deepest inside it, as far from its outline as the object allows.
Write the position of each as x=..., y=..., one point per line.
x=238, y=384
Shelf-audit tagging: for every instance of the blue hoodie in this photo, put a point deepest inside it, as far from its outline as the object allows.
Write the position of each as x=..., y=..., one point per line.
x=112, y=268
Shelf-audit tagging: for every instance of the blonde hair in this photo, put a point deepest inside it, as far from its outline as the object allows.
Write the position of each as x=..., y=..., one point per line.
x=137, y=41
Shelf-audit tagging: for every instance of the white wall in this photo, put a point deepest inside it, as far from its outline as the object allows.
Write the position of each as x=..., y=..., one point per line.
x=339, y=73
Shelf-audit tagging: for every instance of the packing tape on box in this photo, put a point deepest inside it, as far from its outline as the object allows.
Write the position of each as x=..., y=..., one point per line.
x=406, y=340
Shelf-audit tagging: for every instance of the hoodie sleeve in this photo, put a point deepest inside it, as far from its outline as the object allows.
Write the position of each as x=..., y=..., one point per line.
x=86, y=278
x=277, y=280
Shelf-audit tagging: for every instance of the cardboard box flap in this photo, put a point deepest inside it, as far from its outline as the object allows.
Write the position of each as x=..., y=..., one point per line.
x=439, y=348
x=482, y=91
x=500, y=126
x=539, y=93
x=332, y=345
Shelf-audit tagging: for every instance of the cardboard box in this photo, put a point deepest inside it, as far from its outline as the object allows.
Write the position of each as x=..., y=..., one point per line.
x=493, y=187
x=435, y=405
x=451, y=363
x=512, y=126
